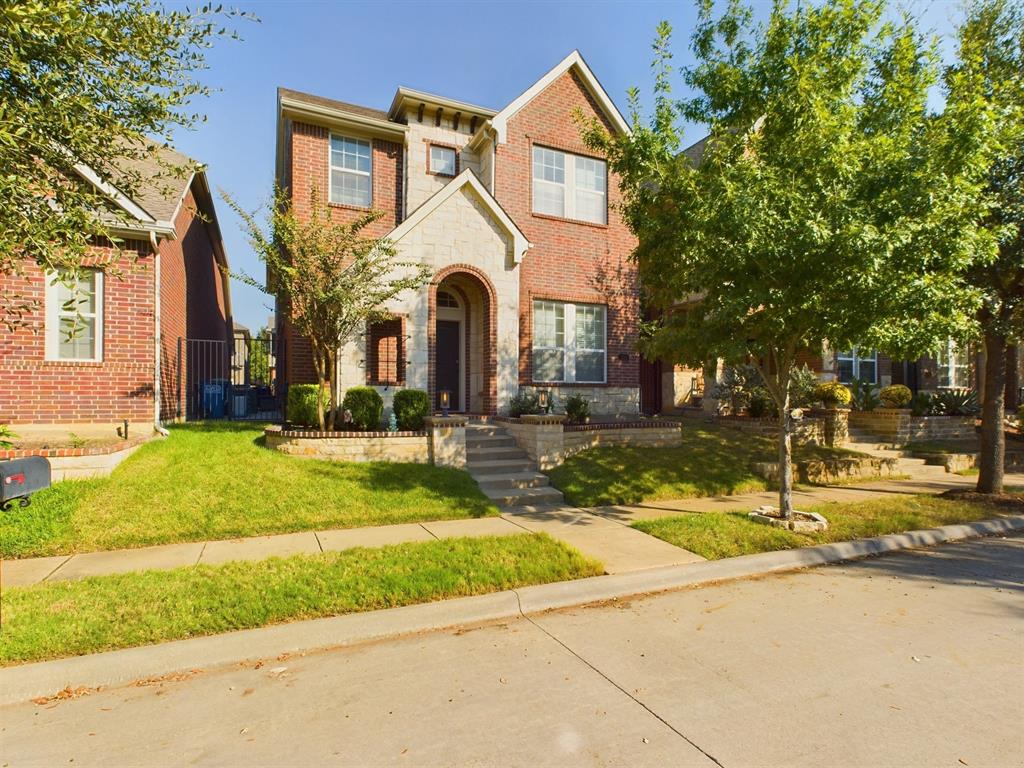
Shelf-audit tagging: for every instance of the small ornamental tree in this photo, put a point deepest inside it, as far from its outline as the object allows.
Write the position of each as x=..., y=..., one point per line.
x=89, y=85
x=811, y=209
x=332, y=280
x=985, y=106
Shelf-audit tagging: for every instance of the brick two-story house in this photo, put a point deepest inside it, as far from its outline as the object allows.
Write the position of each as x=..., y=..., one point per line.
x=165, y=282
x=531, y=284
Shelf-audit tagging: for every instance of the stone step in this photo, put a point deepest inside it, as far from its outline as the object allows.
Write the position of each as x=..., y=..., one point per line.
x=489, y=441
x=526, y=479
x=495, y=453
x=513, y=497
x=475, y=430
x=497, y=466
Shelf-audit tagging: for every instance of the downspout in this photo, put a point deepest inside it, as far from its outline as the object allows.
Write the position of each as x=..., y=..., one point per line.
x=157, y=360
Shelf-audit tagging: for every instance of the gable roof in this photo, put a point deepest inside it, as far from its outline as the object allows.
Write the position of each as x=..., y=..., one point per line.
x=574, y=61
x=467, y=178
x=333, y=104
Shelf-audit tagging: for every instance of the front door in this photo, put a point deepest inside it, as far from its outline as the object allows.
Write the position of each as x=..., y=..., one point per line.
x=448, y=368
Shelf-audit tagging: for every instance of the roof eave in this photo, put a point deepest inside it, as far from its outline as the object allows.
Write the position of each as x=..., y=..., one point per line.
x=289, y=107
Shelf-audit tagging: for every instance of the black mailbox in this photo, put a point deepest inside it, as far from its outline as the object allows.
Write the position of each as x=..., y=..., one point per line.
x=20, y=478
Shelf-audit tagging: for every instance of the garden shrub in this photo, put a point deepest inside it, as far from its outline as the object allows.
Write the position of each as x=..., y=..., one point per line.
x=365, y=406
x=300, y=408
x=923, y=404
x=738, y=381
x=523, y=404
x=832, y=394
x=762, y=406
x=412, y=406
x=895, y=396
x=803, y=384
x=577, y=409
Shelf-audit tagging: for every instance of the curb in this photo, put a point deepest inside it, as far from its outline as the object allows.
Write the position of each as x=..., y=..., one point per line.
x=113, y=668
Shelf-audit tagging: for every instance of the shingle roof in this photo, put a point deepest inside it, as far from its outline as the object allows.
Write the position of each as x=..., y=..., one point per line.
x=341, y=106
x=695, y=152
x=159, y=192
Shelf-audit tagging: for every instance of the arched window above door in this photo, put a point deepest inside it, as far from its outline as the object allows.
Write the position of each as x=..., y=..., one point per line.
x=446, y=299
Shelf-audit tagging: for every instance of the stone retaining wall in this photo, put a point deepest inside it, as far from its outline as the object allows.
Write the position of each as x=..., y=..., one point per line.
x=80, y=463
x=549, y=441
x=806, y=430
x=443, y=443
x=411, y=447
x=957, y=462
x=824, y=471
x=897, y=425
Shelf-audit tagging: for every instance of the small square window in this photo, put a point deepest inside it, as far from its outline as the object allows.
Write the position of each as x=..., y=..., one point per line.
x=442, y=160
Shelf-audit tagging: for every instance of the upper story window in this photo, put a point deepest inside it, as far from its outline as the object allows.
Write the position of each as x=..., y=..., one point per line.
x=74, y=316
x=570, y=186
x=954, y=366
x=443, y=160
x=858, y=363
x=351, y=171
x=569, y=342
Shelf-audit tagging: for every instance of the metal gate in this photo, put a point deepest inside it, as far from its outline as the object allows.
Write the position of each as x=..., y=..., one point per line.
x=235, y=379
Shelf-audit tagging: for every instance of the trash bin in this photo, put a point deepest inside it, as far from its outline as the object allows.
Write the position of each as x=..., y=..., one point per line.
x=213, y=400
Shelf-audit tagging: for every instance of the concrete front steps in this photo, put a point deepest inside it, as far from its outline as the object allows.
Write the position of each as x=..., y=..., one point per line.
x=865, y=442
x=503, y=471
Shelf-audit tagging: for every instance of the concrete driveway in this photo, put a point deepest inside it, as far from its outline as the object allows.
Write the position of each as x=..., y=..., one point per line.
x=908, y=660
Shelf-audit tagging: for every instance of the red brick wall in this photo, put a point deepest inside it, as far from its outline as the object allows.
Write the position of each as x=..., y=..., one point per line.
x=569, y=261
x=306, y=169
x=192, y=303
x=35, y=390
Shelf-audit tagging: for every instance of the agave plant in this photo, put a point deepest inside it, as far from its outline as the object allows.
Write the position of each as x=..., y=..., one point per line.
x=863, y=395
x=957, y=402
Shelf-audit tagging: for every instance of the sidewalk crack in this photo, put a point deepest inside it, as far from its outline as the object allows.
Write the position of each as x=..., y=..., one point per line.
x=650, y=711
x=317, y=537
x=201, y=553
x=421, y=525
x=59, y=566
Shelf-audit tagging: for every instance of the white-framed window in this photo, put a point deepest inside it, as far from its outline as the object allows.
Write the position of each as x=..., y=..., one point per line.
x=74, y=316
x=954, y=366
x=570, y=186
x=570, y=342
x=351, y=171
x=858, y=363
x=442, y=160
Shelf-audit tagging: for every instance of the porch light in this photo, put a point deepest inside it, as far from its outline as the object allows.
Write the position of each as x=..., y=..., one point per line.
x=446, y=401
x=542, y=400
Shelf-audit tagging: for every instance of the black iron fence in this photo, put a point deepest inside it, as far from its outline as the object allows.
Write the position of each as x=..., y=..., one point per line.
x=234, y=379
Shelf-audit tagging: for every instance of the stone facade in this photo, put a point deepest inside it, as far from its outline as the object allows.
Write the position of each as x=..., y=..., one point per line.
x=604, y=401
x=898, y=426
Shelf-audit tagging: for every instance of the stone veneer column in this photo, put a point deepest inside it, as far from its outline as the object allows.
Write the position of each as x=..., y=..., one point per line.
x=447, y=440
x=544, y=437
x=837, y=427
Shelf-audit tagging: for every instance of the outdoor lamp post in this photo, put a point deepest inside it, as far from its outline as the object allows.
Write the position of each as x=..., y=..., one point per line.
x=542, y=400
x=446, y=401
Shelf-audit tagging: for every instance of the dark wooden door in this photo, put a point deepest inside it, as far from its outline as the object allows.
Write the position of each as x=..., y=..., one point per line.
x=650, y=386
x=448, y=373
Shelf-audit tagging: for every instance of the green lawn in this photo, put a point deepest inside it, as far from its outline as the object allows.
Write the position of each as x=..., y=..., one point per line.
x=217, y=481
x=715, y=535
x=710, y=461
x=71, y=618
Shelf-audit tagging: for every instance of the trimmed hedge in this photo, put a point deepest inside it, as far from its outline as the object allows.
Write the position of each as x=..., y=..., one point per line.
x=412, y=406
x=833, y=393
x=895, y=396
x=366, y=407
x=300, y=408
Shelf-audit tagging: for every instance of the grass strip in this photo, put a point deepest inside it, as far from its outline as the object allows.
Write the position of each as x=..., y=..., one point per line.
x=70, y=618
x=716, y=535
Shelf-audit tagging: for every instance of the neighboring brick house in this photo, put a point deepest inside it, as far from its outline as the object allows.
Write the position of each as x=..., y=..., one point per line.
x=532, y=286
x=165, y=283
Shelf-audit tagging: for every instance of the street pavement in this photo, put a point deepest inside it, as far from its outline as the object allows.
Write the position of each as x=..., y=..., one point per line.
x=912, y=659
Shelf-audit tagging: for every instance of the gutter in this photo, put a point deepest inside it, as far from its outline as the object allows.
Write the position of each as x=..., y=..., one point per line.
x=157, y=359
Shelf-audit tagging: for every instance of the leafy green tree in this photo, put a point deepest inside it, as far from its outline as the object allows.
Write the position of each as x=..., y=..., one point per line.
x=985, y=105
x=259, y=358
x=813, y=206
x=87, y=84
x=332, y=281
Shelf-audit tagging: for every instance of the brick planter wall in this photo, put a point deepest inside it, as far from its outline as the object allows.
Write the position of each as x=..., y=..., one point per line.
x=80, y=463
x=897, y=425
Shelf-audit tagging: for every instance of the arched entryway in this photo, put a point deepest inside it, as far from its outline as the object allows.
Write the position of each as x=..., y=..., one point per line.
x=462, y=334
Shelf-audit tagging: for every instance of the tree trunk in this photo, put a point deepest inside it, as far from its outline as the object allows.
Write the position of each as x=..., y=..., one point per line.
x=332, y=375
x=993, y=439
x=785, y=460
x=318, y=360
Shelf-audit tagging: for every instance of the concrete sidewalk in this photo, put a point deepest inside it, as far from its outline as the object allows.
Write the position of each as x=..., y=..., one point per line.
x=602, y=533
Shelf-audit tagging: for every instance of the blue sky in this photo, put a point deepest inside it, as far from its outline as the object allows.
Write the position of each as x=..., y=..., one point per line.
x=485, y=53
